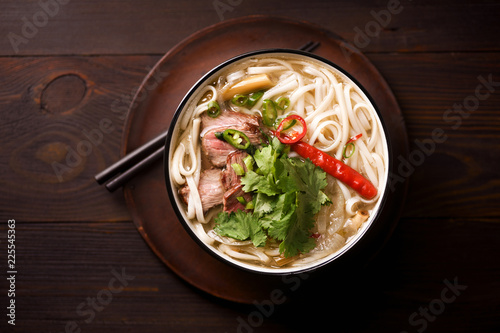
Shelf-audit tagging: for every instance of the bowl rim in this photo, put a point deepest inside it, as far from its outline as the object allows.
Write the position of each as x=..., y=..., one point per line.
x=348, y=248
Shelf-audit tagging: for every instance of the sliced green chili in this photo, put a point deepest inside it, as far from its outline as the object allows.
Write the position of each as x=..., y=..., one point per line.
x=269, y=113
x=236, y=138
x=213, y=109
x=254, y=97
x=345, y=149
x=283, y=103
x=241, y=200
x=240, y=100
x=219, y=135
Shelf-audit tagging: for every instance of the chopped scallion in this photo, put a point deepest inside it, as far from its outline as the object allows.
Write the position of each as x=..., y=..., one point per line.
x=254, y=97
x=249, y=205
x=249, y=162
x=283, y=103
x=269, y=113
x=240, y=100
x=351, y=151
x=238, y=169
x=213, y=109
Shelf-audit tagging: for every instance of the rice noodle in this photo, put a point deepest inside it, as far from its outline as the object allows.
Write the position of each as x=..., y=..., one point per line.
x=248, y=253
x=200, y=231
x=235, y=76
x=194, y=199
x=265, y=69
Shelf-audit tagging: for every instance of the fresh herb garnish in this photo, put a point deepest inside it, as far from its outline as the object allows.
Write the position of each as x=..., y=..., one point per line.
x=242, y=226
x=288, y=192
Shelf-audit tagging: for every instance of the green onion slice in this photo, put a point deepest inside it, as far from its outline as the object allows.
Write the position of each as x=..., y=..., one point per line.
x=240, y=100
x=213, y=109
x=283, y=103
x=345, y=150
x=254, y=97
x=249, y=162
x=269, y=113
x=250, y=205
x=238, y=169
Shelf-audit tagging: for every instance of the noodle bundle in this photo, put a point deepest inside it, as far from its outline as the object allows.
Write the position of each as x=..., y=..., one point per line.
x=341, y=122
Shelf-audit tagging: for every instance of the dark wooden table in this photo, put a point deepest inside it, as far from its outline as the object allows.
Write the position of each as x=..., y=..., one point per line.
x=82, y=266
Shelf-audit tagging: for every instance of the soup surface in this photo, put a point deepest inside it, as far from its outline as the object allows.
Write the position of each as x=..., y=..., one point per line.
x=279, y=161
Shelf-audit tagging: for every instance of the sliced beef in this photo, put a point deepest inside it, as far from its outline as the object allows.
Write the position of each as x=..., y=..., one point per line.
x=229, y=178
x=219, y=186
x=217, y=150
x=227, y=119
x=210, y=189
x=230, y=200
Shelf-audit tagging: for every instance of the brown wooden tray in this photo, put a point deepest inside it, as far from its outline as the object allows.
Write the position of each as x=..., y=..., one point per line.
x=152, y=111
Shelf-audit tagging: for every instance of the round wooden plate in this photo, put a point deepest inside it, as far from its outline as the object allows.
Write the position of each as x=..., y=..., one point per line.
x=152, y=111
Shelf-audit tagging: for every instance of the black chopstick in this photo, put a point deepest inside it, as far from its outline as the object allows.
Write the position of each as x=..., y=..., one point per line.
x=309, y=46
x=125, y=176
x=117, y=174
x=133, y=158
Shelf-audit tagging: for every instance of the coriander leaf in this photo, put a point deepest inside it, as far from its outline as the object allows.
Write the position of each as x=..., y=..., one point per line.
x=253, y=182
x=296, y=242
x=241, y=226
x=257, y=234
x=228, y=225
x=250, y=181
x=298, y=238
x=265, y=158
x=323, y=199
x=294, y=225
x=279, y=220
x=278, y=170
x=288, y=193
x=305, y=177
x=264, y=204
x=281, y=148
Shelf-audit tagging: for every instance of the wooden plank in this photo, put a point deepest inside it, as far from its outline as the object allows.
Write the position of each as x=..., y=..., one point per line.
x=459, y=178
x=155, y=26
x=52, y=147
x=63, y=265
x=66, y=272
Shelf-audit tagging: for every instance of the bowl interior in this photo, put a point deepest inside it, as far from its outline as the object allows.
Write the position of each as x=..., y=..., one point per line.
x=174, y=131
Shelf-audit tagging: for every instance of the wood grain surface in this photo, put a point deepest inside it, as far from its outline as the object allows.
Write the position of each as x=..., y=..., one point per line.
x=64, y=92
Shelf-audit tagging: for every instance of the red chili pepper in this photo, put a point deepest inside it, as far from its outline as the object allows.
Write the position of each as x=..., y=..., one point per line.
x=337, y=169
x=354, y=138
x=294, y=136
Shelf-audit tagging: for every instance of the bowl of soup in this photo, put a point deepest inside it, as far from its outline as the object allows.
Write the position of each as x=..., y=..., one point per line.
x=276, y=162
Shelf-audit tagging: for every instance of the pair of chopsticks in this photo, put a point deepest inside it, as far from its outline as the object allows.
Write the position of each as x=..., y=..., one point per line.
x=116, y=175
